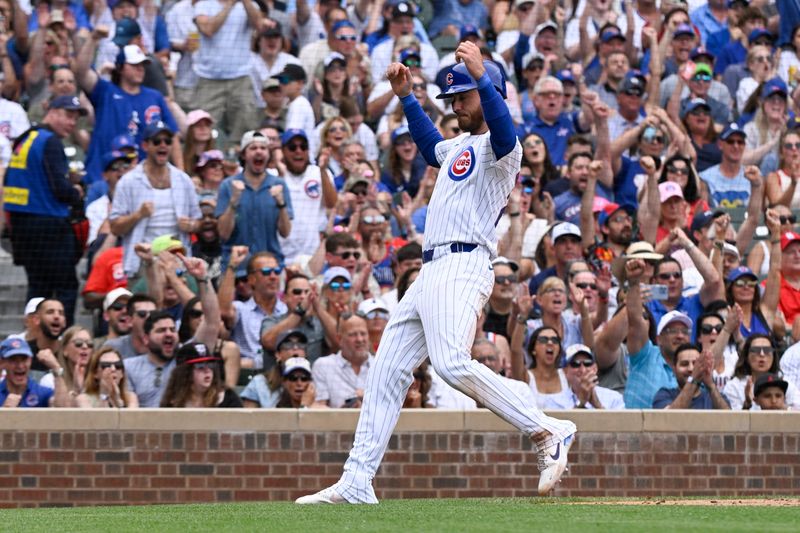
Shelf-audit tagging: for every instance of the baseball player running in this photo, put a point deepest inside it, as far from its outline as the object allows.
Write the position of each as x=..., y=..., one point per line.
x=437, y=317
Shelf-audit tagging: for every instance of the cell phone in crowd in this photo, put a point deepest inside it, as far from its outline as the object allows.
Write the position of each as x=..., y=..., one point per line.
x=657, y=292
x=350, y=402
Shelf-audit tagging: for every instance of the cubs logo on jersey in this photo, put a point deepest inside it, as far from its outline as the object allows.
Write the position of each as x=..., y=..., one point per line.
x=312, y=189
x=462, y=165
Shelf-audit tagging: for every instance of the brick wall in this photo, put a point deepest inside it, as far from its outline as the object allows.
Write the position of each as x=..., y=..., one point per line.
x=87, y=458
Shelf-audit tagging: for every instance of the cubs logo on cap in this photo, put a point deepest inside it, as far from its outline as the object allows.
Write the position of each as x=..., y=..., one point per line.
x=462, y=165
x=449, y=78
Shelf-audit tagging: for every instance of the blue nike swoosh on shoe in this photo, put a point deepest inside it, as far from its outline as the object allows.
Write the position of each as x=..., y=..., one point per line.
x=555, y=456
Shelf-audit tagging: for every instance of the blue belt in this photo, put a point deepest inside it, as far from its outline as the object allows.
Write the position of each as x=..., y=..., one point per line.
x=455, y=247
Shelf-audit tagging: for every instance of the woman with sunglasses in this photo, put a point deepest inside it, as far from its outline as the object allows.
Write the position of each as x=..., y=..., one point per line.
x=782, y=186
x=73, y=356
x=266, y=389
x=680, y=169
x=757, y=357
x=544, y=352
x=209, y=175
x=536, y=156
x=766, y=129
x=196, y=381
x=297, y=384
x=105, y=382
x=334, y=133
x=696, y=121
x=759, y=65
x=759, y=312
x=710, y=327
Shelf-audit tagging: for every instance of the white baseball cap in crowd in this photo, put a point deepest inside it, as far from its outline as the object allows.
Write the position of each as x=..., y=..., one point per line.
x=371, y=304
x=32, y=304
x=673, y=316
x=113, y=296
x=500, y=260
x=564, y=229
x=296, y=363
x=576, y=349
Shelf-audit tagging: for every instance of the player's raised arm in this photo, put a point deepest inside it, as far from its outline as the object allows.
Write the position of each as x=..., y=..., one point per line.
x=491, y=89
x=422, y=129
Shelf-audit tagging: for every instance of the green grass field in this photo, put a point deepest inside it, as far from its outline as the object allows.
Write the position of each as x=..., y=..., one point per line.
x=408, y=516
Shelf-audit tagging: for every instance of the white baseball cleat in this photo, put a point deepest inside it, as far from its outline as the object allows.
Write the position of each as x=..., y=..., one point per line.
x=325, y=496
x=553, y=463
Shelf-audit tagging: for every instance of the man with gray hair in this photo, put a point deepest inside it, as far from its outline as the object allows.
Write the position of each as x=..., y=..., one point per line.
x=551, y=122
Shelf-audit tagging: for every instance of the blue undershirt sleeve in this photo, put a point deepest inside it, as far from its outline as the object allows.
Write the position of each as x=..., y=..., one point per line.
x=422, y=129
x=495, y=112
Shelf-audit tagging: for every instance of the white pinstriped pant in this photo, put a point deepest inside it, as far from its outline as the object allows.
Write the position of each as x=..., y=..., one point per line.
x=437, y=318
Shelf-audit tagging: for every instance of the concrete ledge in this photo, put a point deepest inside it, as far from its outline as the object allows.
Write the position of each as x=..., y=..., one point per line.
x=411, y=420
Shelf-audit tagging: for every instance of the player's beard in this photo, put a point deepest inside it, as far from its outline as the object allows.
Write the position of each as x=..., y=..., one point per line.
x=471, y=122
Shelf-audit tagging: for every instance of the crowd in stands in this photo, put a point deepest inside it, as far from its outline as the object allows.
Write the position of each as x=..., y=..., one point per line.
x=230, y=189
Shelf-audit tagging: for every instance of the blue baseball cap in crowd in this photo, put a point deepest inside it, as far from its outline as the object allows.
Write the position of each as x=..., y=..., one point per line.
x=565, y=76
x=682, y=29
x=732, y=3
x=399, y=132
x=15, y=346
x=794, y=122
x=774, y=86
x=693, y=104
x=290, y=134
x=700, y=51
x=407, y=53
x=702, y=219
x=70, y=103
x=123, y=141
x=154, y=128
x=342, y=24
x=611, y=33
x=114, y=3
x=732, y=129
x=468, y=30
x=740, y=272
x=760, y=33
x=126, y=30
x=113, y=155
x=633, y=82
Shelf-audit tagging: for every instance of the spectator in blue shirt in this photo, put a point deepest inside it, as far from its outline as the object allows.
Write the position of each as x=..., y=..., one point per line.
x=735, y=51
x=18, y=389
x=696, y=388
x=669, y=273
x=710, y=18
x=450, y=15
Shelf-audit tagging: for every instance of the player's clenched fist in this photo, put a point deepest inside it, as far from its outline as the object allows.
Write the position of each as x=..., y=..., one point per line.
x=470, y=54
x=399, y=76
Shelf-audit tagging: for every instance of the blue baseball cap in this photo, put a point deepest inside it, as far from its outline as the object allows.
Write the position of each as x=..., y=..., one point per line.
x=732, y=3
x=70, y=103
x=399, y=132
x=121, y=142
x=633, y=82
x=154, y=128
x=699, y=51
x=704, y=218
x=113, y=155
x=611, y=33
x=406, y=53
x=469, y=29
x=342, y=24
x=759, y=33
x=682, y=29
x=126, y=30
x=740, y=272
x=15, y=346
x=290, y=134
x=693, y=104
x=565, y=76
x=774, y=86
x=794, y=122
x=114, y=3
x=732, y=129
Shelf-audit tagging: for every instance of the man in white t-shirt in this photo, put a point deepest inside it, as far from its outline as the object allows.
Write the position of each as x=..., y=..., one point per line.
x=312, y=191
x=583, y=392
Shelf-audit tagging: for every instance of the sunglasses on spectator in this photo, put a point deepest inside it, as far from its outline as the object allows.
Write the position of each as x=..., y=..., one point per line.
x=750, y=283
x=292, y=345
x=676, y=330
x=666, y=276
x=502, y=280
x=359, y=192
x=298, y=377
x=158, y=141
x=334, y=129
x=117, y=364
x=762, y=59
x=585, y=285
x=737, y=142
x=80, y=343
x=266, y=271
x=59, y=66
x=242, y=279
x=377, y=219
x=701, y=112
x=788, y=219
x=533, y=143
x=120, y=165
x=790, y=146
x=297, y=146
x=372, y=315
x=206, y=365
x=678, y=170
x=585, y=363
x=348, y=255
x=484, y=358
x=701, y=77
x=340, y=286
x=195, y=313
x=116, y=306
x=708, y=329
x=412, y=63
x=419, y=87
x=351, y=38
x=761, y=350
x=298, y=292
x=653, y=138
x=544, y=339
x=142, y=314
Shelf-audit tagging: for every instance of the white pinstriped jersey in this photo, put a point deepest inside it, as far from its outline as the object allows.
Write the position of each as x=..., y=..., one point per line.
x=471, y=190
